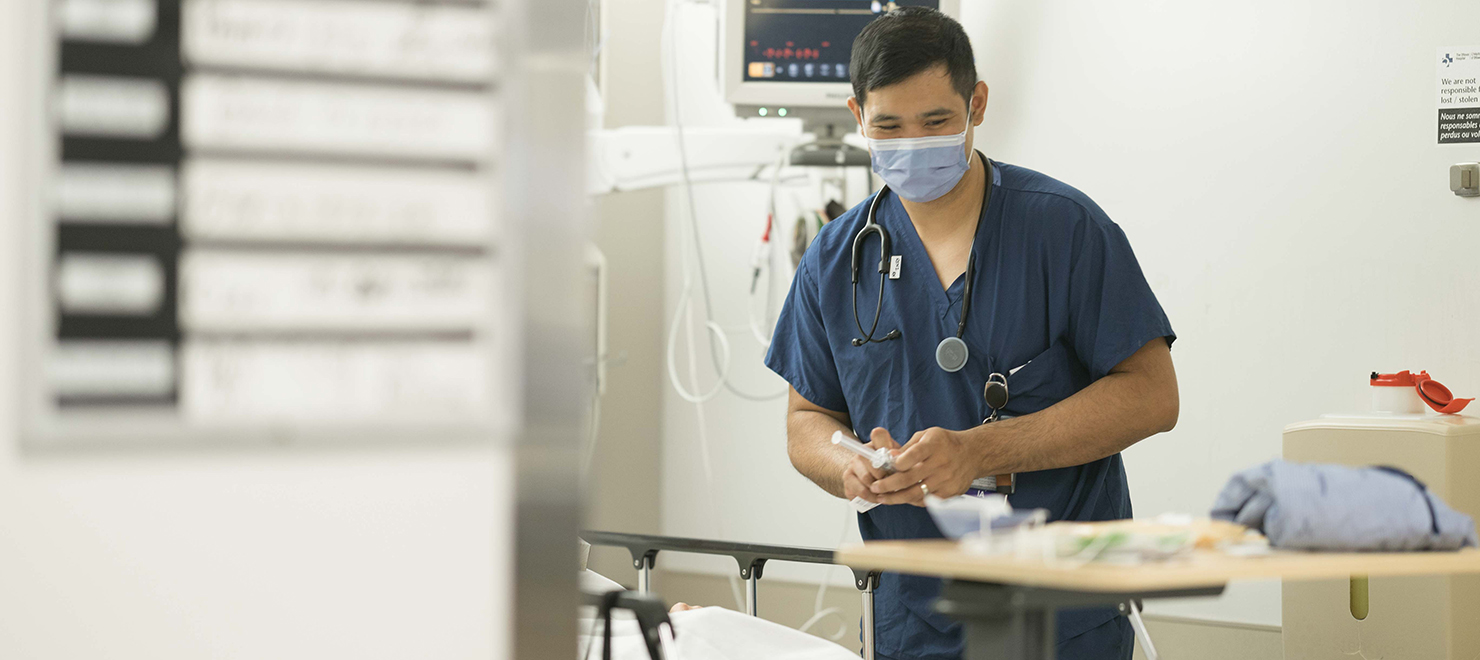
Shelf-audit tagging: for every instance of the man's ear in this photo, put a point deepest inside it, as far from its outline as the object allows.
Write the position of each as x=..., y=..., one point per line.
x=978, y=103
x=857, y=112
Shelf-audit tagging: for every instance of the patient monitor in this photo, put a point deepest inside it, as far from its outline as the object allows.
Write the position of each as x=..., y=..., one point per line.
x=790, y=58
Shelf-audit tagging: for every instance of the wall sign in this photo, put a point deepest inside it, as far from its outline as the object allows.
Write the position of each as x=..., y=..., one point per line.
x=1459, y=94
x=271, y=219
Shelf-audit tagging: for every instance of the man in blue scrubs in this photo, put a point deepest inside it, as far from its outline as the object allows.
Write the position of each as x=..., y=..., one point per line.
x=1058, y=305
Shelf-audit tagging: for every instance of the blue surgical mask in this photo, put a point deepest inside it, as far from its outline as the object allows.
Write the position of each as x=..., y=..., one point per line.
x=921, y=169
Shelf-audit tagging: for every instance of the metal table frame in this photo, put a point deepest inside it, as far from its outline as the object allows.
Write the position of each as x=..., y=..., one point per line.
x=751, y=559
x=1009, y=622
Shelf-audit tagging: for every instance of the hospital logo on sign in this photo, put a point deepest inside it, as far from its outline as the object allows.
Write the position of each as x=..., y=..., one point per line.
x=1448, y=59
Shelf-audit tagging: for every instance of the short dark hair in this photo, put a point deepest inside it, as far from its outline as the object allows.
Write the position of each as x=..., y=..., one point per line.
x=906, y=41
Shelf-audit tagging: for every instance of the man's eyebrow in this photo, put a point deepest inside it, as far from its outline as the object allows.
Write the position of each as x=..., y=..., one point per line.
x=938, y=112
x=878, y=118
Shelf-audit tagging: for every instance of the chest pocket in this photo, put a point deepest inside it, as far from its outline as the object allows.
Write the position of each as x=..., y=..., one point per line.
x=874, y=382
x=1050, y=377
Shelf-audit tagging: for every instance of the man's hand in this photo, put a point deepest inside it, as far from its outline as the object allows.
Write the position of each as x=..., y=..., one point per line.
x=860, y=474
x=943, y=461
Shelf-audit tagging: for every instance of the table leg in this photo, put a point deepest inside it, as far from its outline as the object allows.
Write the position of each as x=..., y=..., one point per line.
x=1019, y=634
x=1005, y=622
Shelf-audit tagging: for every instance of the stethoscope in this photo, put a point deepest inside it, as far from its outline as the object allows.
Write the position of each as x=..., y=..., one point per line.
x=952, y=353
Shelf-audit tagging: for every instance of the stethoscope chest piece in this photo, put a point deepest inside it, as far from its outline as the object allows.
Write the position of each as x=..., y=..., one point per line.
x=951, y=354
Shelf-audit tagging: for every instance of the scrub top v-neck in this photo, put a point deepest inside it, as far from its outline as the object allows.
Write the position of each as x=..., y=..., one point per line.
x=915, y=260
x=1057, y=291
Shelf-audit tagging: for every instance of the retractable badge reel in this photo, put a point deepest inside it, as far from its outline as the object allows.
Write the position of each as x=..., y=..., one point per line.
x=996, y=395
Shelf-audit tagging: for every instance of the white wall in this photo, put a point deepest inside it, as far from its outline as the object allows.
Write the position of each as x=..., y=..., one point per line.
x=321, y=554
x=625, y=486
x=1275, y=167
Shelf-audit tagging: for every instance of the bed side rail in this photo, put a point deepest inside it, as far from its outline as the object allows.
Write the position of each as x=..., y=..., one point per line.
x=751, y=559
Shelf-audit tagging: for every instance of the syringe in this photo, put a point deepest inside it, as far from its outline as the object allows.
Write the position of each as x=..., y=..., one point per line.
x=880, y=458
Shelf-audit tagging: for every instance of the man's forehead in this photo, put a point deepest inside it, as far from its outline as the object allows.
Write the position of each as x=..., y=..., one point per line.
x=927, y=93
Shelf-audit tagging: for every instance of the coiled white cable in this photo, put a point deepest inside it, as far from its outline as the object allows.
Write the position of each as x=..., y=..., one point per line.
x=722, y=358
x=722, y=361
x=686, y=313
x=684, y=307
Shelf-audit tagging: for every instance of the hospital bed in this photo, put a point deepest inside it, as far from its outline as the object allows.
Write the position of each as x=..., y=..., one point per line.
x=750, y=559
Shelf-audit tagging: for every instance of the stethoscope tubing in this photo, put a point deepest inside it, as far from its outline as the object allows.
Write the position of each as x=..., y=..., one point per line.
x=872, y=226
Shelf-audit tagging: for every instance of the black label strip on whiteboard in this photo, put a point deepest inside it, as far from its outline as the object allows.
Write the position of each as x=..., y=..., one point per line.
x=156, y=59
x=162, y=243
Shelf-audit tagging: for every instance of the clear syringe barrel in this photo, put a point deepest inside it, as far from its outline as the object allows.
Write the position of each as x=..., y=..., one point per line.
x=879, y=458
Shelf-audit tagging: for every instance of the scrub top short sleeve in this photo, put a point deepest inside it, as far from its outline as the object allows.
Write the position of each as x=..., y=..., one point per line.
x=804, y=358
x=1058, y=301
x=1112, y=310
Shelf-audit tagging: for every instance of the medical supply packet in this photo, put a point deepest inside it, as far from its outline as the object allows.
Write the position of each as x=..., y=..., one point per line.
x=1163, y=538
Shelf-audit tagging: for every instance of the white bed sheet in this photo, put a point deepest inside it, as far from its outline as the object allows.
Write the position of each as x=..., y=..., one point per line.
x=710, y=633
x=715, y=633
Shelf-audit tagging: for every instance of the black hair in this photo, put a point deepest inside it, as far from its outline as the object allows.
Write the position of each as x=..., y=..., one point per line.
x=906, y=41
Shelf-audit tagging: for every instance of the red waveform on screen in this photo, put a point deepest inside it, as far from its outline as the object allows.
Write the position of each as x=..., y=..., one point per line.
x=790, y=53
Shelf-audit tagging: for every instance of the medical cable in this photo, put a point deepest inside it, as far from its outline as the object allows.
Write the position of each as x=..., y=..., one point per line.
x=670, y=28
x=718, y=331
x=684, y=309
x=721, y=365
x=770, y=261
x=756, y=263
x=763, y=251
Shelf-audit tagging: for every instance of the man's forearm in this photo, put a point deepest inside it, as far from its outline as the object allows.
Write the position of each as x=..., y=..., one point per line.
x=1111, y=414
x=809, y=444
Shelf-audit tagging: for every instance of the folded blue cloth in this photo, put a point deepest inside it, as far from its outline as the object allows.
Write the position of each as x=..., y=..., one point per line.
x=1334, y=507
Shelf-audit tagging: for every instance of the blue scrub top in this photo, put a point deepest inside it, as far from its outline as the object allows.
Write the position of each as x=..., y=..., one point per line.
x=1057, y=289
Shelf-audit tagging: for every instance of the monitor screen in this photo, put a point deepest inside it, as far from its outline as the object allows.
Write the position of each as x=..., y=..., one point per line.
x=807, y=41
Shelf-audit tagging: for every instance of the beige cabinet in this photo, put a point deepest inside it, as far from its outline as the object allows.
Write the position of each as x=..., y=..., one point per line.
x=1432, y=618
